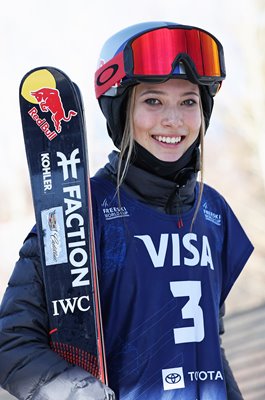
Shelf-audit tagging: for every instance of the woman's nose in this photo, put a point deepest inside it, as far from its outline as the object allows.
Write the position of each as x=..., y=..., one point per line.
x=172, y=117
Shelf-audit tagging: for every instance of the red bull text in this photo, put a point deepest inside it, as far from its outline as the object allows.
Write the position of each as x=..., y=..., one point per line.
x=50, y=101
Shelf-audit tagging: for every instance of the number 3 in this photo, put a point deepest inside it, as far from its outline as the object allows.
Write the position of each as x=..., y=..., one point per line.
x=191, y=289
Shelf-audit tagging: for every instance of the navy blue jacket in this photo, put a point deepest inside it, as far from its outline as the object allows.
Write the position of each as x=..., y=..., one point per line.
x=29, y=369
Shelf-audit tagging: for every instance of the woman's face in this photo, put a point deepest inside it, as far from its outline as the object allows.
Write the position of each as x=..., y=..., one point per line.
x=167, y=117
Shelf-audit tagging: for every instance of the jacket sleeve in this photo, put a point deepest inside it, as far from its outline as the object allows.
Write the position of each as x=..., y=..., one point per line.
x=26, y=360
x=29, y=369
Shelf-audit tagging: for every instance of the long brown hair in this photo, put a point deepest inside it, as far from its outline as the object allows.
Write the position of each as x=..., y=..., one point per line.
x=127, y=143
x=201, y=181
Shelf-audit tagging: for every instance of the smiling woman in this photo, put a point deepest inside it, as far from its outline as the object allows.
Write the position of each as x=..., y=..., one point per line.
x=169, y=249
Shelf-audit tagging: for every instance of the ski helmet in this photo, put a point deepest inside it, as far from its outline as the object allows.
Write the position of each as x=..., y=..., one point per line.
x=156, y=52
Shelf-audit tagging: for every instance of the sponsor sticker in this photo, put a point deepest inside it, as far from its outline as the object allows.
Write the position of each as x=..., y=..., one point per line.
x=54, y=236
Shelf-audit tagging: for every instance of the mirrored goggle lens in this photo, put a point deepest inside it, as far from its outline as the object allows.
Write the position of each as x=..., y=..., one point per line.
x=154, y=52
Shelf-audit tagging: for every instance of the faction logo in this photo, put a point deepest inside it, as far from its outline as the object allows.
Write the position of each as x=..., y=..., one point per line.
x=40, y=88
x=173, y=378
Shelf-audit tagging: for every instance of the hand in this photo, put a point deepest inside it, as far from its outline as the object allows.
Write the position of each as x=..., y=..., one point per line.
x=92, y=389
x=74, y=384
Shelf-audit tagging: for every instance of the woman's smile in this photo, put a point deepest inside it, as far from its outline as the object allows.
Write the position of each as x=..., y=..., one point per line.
x=167, y=139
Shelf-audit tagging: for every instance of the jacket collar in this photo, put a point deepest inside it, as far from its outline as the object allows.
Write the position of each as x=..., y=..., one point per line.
x=171, y=197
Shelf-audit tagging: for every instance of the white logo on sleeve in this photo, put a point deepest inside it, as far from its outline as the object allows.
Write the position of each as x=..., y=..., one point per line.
x=211, y=216
x=111, y=212
x=173, y=378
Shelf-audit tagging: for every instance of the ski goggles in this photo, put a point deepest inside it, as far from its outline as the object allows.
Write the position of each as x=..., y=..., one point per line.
x=155, y=55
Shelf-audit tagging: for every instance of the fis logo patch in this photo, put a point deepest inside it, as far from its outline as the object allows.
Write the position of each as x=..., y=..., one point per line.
x=211, y=216
x=111, y=212
x=173, y=378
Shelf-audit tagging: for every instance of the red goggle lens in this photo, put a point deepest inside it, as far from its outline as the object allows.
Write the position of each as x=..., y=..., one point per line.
x=154, y=52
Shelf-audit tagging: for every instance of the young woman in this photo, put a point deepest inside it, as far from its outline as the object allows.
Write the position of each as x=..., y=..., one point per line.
x=169, y=248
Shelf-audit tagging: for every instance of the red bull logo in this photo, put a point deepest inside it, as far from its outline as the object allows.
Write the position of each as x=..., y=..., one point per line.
x=50, y=101
x=40, y=88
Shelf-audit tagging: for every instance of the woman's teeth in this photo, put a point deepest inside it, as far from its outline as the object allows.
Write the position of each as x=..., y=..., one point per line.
x=168, y=139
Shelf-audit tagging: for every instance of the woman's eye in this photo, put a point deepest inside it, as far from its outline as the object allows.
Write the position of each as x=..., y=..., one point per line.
x=152, y=101
x=189, y=102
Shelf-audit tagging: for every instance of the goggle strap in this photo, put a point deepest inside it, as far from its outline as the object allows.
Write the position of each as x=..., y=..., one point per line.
x=109, y=74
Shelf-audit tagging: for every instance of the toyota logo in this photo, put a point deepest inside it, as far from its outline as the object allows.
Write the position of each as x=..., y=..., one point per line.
x=173, y=378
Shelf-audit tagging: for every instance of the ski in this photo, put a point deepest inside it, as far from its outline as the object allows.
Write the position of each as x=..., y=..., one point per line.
x=55, y=142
